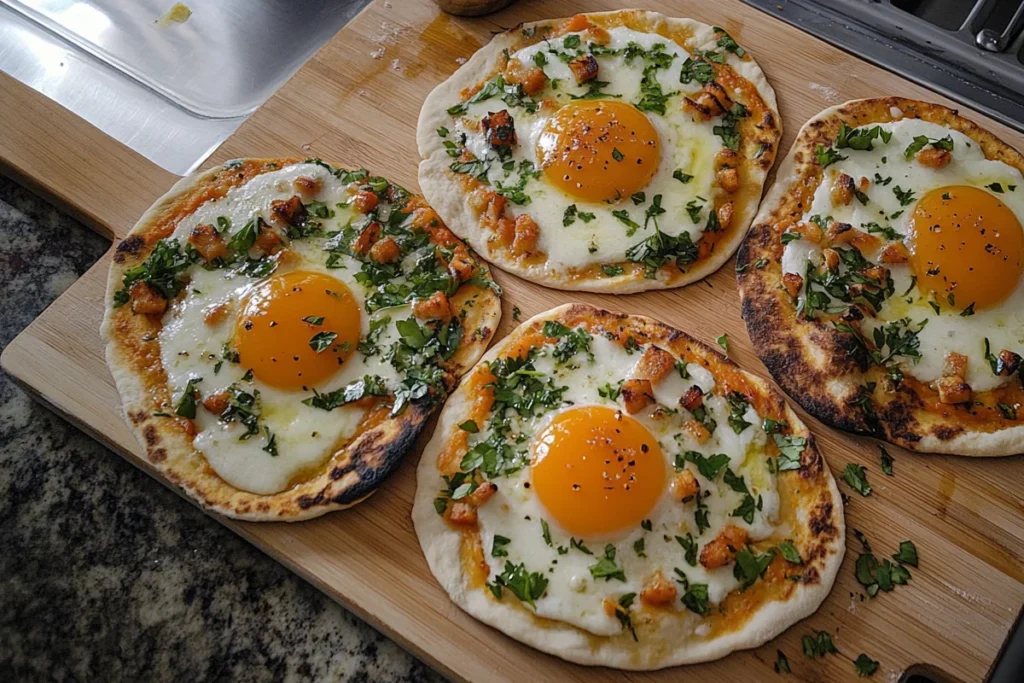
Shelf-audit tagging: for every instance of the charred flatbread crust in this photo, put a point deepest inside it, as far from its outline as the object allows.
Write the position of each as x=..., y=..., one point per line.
x=354, y=472
x=463, y=202
x=809, y=358
x=811, y=505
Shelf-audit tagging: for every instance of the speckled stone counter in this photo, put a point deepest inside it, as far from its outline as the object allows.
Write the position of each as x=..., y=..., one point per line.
x=105, y=575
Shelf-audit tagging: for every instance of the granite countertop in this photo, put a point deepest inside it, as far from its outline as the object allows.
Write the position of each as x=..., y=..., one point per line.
x=107, y=575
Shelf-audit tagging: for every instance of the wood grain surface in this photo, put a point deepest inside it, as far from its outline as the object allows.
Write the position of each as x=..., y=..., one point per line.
x=356, y=103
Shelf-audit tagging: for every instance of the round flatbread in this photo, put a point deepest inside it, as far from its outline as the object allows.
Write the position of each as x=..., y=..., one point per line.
x=280, y=330
x=881, y=281
x=612, y=152
x=606, y=489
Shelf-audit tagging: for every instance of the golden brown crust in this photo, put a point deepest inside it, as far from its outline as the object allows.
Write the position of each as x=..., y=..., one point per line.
x=810, y=358
x=357, y=467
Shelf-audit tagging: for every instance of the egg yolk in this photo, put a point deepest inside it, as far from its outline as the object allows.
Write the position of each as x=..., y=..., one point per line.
x=966, y=243
x=599, y=150
x=279, y=334
x=597, y=471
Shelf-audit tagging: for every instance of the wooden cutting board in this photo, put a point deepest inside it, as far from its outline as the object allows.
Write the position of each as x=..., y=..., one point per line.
x=356, y=102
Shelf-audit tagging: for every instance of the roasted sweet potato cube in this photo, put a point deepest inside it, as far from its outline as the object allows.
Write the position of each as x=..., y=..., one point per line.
x=722, y=550
x=483, y=493
x=367, y=238
x=685, y=486
x=500, y=129
x=693, y=398
x=933, y=157
x=793, y=284
x=637, y=394
x=697, y=430
x=462, y=514
x=461, y=265
x=289, y=211
x=205, y=239
x=435, y=307
x=658, y=591
x=526, y=234
x=1009, y=362
x=954, y=365
x=385, y=250
x=217, y=402
x=953, y=390
x=655, y=364
x=146, y=300
x=365, y=200
x=584, y=68
x=842, y=190
x=894, y=252
x=728, y=179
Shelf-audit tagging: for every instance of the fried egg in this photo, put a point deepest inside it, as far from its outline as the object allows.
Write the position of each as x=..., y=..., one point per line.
x=958, y=286
x=596, y=495
x=265, y=338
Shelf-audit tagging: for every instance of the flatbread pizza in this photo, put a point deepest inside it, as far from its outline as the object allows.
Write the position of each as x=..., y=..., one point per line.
x=280, y=330
x=606, y=489
x=881, y=281
x=613, y=152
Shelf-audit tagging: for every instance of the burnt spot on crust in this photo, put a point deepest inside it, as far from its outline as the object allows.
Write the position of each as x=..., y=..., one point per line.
x=129, y=246
x=821, y=523
x=811, y=463
x=947, y=432
x=899, y=422
x=376, y=455
x=156, y=455
x=150, y=435
x=136, y=416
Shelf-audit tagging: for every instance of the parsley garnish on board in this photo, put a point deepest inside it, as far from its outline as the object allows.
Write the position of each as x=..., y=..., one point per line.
x=781, y=663
x=887, y=461
x=864, y=665
x=855, y=476
x=525, y=585
x=818, y=645
x=882, y=575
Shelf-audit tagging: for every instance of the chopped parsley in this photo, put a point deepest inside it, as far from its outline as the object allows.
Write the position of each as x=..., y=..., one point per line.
x=855, y=476
x=606, y=568
x=525, y=585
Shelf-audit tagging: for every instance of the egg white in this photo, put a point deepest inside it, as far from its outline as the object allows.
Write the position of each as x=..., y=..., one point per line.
x=573, y=595
x=190, y=348
x=1003, y=324
x=684, y=144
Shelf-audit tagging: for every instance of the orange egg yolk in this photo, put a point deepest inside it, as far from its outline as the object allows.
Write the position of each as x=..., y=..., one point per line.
x=966, y=243
x=275, y=334
x=599, y=150
x=597, y=470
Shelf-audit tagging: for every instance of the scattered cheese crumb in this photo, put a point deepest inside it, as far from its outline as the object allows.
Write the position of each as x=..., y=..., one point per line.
x=395, y=66
x=830, y=95
x=460, y=60
x=379, y=52
x=896, y=112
